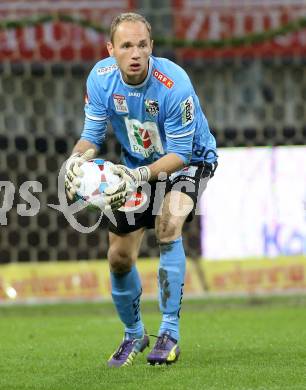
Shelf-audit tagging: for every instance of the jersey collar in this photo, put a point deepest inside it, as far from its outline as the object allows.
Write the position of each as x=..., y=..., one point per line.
x=144, y=81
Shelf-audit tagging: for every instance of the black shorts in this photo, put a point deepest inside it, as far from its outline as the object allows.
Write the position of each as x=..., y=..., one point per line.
x=191, y=180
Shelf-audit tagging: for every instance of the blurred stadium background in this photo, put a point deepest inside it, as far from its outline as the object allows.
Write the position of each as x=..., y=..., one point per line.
x=247, y=61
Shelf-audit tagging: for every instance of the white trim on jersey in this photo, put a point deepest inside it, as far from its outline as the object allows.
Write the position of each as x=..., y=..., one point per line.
x=181, y=135
x=95, y=118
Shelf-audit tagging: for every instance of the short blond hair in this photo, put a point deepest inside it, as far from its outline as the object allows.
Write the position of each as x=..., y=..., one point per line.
x=128, y=17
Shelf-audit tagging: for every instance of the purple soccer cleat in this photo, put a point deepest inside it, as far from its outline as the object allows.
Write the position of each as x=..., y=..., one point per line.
x=165, y=350
x=127, y=351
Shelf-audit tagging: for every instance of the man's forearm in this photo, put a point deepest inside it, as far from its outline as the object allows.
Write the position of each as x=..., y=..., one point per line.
x=168, y=164
x=82, y=145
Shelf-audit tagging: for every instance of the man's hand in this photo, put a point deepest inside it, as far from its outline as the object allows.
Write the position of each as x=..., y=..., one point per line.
x=133, y=177
x=73, y=171
x=116, y=196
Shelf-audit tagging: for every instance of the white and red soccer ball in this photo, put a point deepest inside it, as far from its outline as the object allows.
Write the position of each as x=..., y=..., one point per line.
x=97, y=176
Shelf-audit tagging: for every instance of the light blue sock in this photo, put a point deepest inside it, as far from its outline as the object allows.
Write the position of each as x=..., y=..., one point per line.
x=171, y=277
x=126, y=293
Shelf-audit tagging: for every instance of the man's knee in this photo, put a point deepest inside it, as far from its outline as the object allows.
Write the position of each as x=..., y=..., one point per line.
x=120, y=260
x=167, y=229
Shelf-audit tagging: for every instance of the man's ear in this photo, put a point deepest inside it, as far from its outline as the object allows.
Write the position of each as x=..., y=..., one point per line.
x=110, y=48
x=152, y=45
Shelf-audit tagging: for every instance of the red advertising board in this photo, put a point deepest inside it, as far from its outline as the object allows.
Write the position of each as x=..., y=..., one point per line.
x=216, y=20
x=192, y=20
x=56, y=40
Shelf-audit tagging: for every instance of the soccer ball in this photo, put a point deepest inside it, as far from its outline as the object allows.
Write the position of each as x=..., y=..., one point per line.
x=97, y=176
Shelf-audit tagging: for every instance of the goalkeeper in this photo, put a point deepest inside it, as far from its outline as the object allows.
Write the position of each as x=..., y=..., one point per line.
x=156, y=117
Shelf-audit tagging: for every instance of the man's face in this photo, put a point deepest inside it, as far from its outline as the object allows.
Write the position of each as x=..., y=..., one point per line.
x=131, y=48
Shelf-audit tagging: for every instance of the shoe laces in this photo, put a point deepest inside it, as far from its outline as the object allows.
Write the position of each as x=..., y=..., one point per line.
x=122, y=349
x=161, y=342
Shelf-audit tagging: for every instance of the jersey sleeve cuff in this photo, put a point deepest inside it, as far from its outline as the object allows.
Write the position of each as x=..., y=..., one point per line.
x=91, y=140
x=183, y=157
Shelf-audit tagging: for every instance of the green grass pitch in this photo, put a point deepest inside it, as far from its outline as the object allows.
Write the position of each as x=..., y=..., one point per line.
x=226, y=344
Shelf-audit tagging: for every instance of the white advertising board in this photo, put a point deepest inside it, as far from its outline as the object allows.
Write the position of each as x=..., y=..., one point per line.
x=256, y=204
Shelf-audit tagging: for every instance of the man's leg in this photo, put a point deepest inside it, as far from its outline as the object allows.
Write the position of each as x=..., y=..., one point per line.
x=126, y=292
x=171, y=274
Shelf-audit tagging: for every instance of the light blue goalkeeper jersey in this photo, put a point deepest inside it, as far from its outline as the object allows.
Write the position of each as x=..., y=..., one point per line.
x=159, y=116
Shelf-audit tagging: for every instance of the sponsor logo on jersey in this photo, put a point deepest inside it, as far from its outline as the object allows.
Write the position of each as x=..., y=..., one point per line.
x=152, y=107
x=106, y=69
x=187, y=109
x=163, y=78
x=144, y=137
x=134, y=94
x=120, y=103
